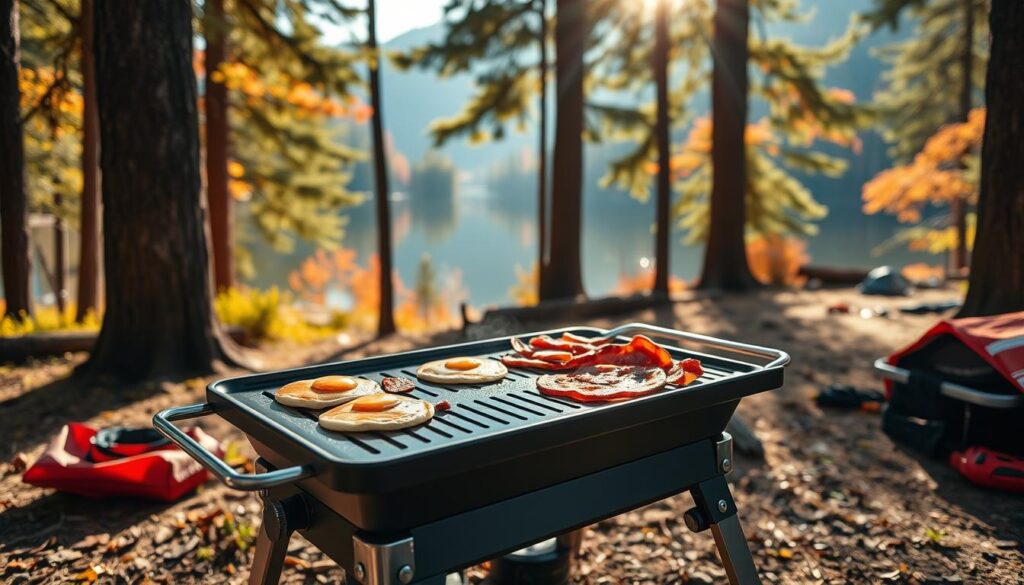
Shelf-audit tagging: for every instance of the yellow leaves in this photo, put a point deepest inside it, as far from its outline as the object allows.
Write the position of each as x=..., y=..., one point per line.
x=235, y=169
x=524, y=293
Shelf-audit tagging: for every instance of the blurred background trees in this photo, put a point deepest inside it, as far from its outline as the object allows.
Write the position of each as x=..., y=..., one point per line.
x=730, y=110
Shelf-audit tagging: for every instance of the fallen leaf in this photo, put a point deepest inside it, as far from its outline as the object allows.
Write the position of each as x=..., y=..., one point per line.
x=91, y=574
x=296, y=562
x=18, y=463
x=893, y=574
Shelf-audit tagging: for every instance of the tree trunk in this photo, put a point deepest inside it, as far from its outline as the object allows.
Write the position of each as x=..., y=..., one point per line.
x=89, y=223
x=958, y=209
x=564, y=277
x=542, y=151
x=59, y=262
x=725, y=254
x=996, y=283
x=662, y=230
x=386, y=321
x=13, y=203
x=159, y=321
x=216, y=103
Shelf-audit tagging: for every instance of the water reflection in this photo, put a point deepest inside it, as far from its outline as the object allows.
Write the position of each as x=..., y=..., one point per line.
x=487, y=236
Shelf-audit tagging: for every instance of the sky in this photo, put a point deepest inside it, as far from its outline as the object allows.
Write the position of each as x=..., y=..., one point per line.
x=395, y=17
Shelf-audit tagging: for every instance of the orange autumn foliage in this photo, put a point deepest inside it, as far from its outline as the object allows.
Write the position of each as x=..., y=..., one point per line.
x=921, y=272
x=338, y=270
x=696, y=151
x=936, y=176
x=776, y=261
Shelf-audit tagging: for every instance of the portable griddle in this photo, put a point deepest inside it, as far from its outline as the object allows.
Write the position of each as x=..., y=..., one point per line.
x=505, y=467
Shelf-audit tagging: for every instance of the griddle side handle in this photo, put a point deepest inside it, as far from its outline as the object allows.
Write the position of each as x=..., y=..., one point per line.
x=163, y=422
x=777, y=358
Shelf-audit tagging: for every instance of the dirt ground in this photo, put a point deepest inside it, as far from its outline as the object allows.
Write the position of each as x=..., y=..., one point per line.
x=833, y=500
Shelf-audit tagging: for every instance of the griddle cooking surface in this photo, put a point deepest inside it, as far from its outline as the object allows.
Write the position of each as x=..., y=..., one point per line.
x=479, y=412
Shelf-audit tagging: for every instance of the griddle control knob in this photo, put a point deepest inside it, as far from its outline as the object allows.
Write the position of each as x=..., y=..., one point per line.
x=696, y=520
x=281, y=518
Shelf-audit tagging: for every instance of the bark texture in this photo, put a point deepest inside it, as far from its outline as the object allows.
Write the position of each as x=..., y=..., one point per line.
x=89, y=228
x=725, y=254
x=662, y=229
x=996, y=283
x=216, y=104
x=542, y=148
x=13, y=199
x=386, y=319
x=159, y=320
x=564, y=279
x=959, y=207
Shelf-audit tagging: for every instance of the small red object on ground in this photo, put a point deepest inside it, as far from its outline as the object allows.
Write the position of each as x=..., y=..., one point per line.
x=70, y=464
x=443, y=405
x=985, y=467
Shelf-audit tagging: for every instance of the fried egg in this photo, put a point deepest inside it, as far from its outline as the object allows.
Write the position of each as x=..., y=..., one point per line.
x=377, y=412
x=325, y=392
x=462, y=370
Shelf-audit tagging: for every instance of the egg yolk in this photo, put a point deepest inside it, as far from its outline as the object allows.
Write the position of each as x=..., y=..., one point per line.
x=334, y=384
x=462, y=364
x=375, y=403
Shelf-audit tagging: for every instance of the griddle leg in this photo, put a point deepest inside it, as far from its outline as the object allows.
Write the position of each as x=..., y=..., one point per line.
x=280, y=520
x=717, y=510
x=268, y=558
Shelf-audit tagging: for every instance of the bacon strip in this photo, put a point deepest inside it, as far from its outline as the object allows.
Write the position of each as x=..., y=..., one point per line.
x=574, y=347
x=640, y=351
x=685, y=372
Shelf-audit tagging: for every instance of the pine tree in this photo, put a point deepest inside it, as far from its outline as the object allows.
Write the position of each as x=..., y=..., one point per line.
x=159, y=319
x=285, y=85
x=89, y=223
x=386, y=318
x=502, y=44
x=996, y=282
x=786, y=77
x=13, y=198
x=935, y=78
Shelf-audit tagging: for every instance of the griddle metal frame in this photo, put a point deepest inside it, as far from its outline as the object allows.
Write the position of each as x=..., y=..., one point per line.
x=460, y=541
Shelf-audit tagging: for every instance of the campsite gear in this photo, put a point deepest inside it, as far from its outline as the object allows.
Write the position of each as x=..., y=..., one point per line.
x=505, y=467
x=884, y=280
x=989, y=468
x=925, y=308
x=119, y=442
x=848, y=397
x=961, y=384
x=81, y=460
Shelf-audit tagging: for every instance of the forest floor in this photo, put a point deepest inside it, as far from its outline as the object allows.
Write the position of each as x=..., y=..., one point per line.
x=833, y=500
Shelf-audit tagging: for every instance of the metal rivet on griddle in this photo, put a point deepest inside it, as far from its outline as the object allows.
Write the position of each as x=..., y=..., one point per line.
x=726, y=465
x=722, y=506
x=360, y=571
x=405, y=574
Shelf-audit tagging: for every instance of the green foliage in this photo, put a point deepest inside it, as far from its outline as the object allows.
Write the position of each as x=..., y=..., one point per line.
x=497, y=42
x=925, y=72
x=786, y=77
x=282, y=83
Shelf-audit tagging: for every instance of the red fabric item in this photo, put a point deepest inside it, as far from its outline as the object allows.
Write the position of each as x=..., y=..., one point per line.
x=166, y=473
x=998, y=339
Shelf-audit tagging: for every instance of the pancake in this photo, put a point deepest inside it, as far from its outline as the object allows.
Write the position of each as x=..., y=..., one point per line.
x=325, y=392
x=462, y=370
x=383, y=412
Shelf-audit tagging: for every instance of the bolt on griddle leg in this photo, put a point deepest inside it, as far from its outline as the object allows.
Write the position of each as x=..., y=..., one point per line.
x=715, y=509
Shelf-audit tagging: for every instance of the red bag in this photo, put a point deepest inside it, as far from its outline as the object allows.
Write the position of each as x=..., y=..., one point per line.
x=162, y=473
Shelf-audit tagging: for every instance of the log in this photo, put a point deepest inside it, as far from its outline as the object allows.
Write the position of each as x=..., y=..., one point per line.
x=21, y=348
x=568, y=310
x=834, y=276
